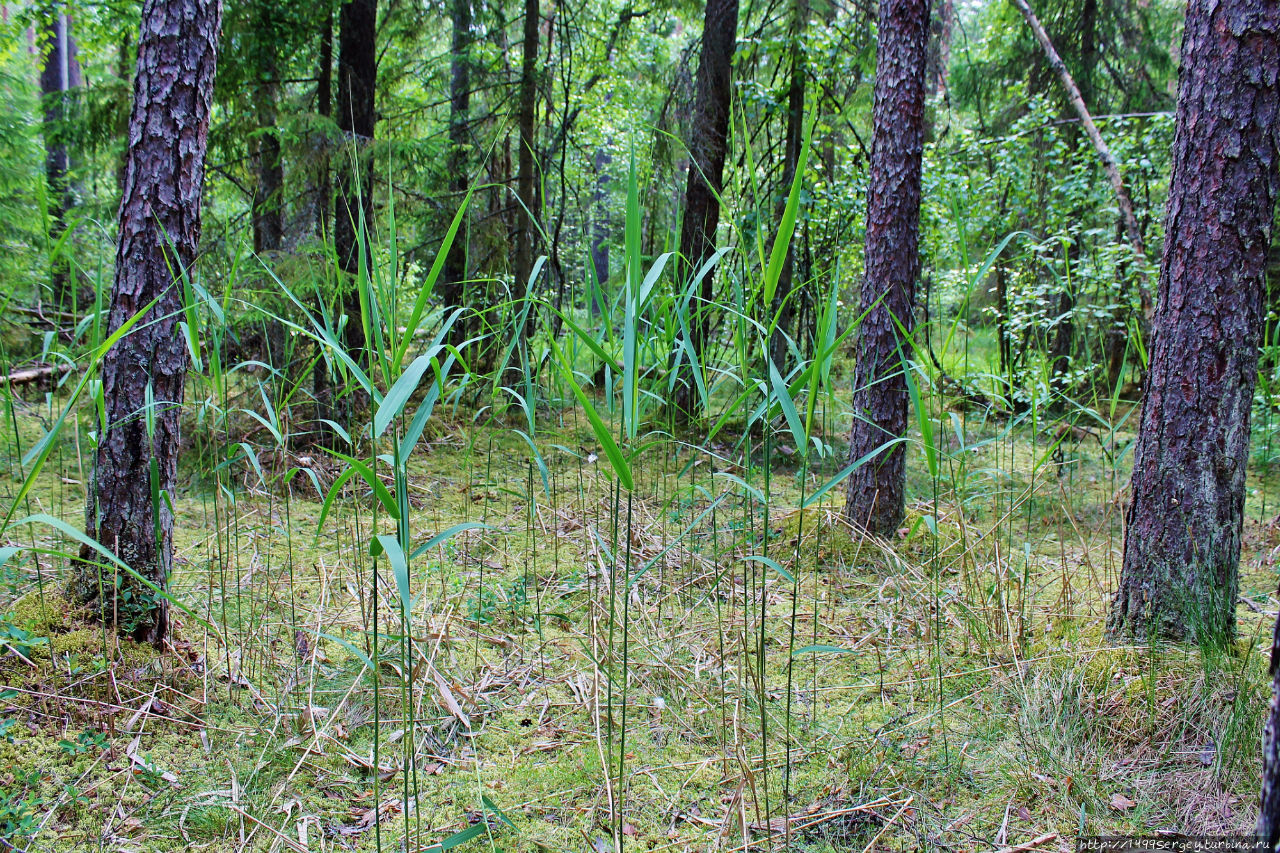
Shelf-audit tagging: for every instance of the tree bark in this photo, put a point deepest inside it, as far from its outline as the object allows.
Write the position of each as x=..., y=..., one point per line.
x=1268, y=827
x=455, y=264
x=357, y=81
x=268, y=214
x=939, y=62
x=527, y=206
x=708, y=144
x=600, y=230
x=1182, y=539
x=321, y=384
x=61, y=74
x=159, y=233
x=324, y=108
x=876, y=493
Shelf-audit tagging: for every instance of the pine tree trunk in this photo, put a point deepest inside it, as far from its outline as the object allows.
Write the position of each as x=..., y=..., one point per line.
x=61, y=73
x=454, y=273
x=159, y=228
x=1268, y=827
x=876, y=492
x=708, y=145
x=268, y=214
x=1182, y=540
x=357, y=81
x=600, y=229
x=939, y=61
x=324, y=108
x=268, y=209
x=527, y=206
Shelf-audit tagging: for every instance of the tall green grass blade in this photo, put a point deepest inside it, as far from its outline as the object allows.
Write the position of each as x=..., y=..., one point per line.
x=619, y=463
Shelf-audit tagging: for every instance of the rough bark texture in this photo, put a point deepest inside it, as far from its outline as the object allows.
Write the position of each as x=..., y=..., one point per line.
x=159, y=229
x=1269, y=812
x=876, y=492
x=454, y=273
x=1182, y=540
x=526, y=178
x=357, y=80
x=785, y=304
x=61, y=73
x=708, y=143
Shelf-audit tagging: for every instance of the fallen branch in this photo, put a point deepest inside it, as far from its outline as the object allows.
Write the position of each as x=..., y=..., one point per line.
x=1029, y=845
x=28, y=375
x=1109, y=164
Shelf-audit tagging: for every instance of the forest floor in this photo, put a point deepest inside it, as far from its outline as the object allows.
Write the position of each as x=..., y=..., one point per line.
x=950, y=690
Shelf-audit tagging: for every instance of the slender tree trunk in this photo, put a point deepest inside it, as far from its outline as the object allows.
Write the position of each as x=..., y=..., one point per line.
x=785, y=302
x=600, y=229
x=1182, y=539
x=268, y=207
x=526, y=176
x=159, y=229
x=321, y=383
x=876, y=493
x=455, y=265
x=61, y=73
x=1109, y=165
x=357, y=81
x=1269, y=812
x=122, y=123
x=708, y=144
x=939, y=47
x=324, y=108
x=268, y=214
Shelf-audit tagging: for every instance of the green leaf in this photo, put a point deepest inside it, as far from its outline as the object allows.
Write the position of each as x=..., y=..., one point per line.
x=603, y=435
x=846, y=471
x=782, y=242
x=397, y=397
x=93, y=544
x=371, y=479
x=783, y=396
x=444, y=535
x=771, y=563
x=388, y=544
x=834, y=650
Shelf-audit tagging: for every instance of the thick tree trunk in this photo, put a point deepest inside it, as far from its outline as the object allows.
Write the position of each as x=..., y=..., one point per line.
x=876, y=494
x=1182, y=540
x=61, y=73
x=357, y=81
x=159, y=230
x=708, y=144
x=455, y=266
x=785, y=303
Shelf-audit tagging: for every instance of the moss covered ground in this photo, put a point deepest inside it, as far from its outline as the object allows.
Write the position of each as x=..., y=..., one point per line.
x=594, y=667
